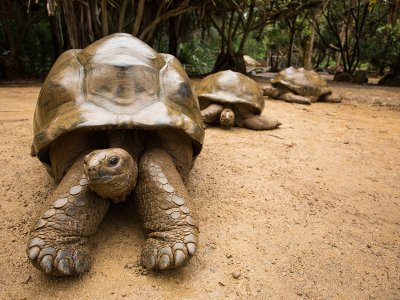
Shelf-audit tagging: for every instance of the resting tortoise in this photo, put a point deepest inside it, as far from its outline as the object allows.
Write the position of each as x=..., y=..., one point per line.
x=113, y=120
x=230, y=98
x=300, y=86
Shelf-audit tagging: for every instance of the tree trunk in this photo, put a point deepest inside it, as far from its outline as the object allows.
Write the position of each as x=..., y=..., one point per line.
x=138, y=18
x=338, y=56
x=320, y=57
x=292, y=32
x=104, y=17
x=173, y=36
x=121, y=17
x=226, y=61
x=307, y=62
x=329, y=59
x=56, y=35
x=394, y=12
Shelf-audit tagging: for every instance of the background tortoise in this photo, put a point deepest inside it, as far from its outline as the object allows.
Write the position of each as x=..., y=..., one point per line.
x=231, y=98
x=300, y=86
x=113, y=118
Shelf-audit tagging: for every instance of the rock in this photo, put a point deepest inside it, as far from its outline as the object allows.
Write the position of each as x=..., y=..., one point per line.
x=343, y=77
x=360, y=77
x=251, y=62
x=129, y=266
x=289, y=145
x=390, y=80
x=145, y=272
x=236, y=274
x=26, y=279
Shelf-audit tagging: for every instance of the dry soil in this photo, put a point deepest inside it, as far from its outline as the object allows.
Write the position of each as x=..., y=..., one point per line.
x=307, y=211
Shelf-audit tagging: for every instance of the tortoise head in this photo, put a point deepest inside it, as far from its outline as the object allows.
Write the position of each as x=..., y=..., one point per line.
x=112, y=173
x=227, y=118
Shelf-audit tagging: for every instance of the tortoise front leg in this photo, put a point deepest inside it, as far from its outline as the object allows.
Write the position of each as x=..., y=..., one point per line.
x=293, y=98
x=257, y=122
x=211, y=113
x=333, y=98
x=58, y=241
x=270, y=91
x=164, y=205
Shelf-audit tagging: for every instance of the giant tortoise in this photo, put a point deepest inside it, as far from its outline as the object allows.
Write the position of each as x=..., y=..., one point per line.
x=114, y=120
x=230, y=98
x=300, y=86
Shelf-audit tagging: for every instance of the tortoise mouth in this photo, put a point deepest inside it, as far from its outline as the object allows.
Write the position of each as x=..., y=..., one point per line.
x=114, y=187
x=100, y=178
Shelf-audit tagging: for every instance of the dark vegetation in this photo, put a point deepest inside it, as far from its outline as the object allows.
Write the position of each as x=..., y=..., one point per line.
x=208, y=35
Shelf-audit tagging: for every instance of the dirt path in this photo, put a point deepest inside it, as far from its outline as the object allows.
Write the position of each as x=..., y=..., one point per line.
x=309, y=211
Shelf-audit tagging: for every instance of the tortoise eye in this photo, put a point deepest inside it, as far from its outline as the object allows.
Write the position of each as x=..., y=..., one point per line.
x=113, y=161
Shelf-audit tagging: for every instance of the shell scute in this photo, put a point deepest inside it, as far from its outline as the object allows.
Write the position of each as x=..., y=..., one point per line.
x=228, y=87
x=118, y=82
x=302, y=82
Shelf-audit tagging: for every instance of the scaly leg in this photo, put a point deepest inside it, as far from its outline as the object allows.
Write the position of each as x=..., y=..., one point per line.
x=333, y=98
x=211, y=113
x=58, y=242
x=164, y=204
x=257, y=122
x=290, y=97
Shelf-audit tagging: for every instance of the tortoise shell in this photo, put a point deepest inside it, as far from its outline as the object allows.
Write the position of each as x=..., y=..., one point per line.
x=228, y=87
x=118, y=82
x=302, y=82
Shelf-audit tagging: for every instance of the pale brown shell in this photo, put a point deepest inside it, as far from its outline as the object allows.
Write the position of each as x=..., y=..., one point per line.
x=118, y=82
x=302, y=82
x=233, y=88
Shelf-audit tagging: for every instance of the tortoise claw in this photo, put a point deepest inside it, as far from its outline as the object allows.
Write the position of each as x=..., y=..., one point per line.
x=33, y=253
x=162, y=254
x=57, y=261
x=64, y=266
x=46, y=263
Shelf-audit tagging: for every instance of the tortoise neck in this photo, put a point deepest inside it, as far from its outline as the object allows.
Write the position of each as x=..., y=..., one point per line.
x=127, y=140
x=116, y=138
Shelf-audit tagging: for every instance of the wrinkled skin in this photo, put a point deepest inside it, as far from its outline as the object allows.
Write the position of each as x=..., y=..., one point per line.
x=58, y=241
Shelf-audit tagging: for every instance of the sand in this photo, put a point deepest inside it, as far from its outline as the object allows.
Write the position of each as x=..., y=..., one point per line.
x=307, y=211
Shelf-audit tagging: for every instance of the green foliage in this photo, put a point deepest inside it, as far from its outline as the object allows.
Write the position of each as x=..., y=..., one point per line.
x=25, y=39
x=383, y=49
x=256, y=48
x=276, y=40
x=37, y=54
x=198, y=55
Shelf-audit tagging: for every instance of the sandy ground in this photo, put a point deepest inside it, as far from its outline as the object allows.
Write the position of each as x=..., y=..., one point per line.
x=308, y=211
